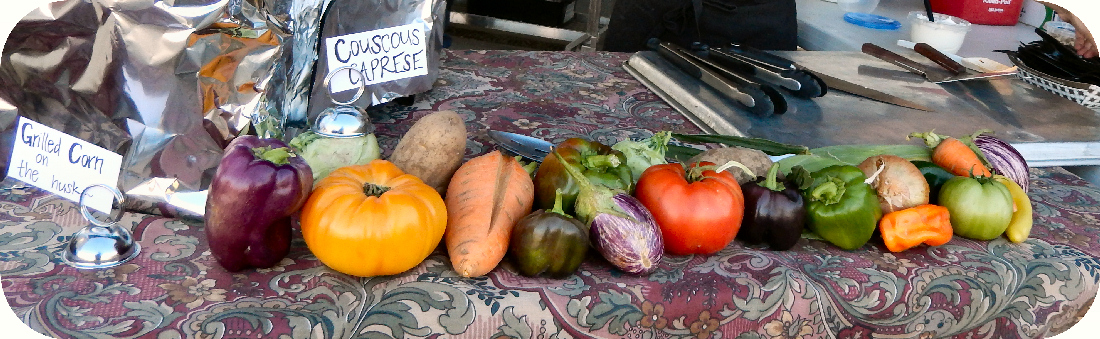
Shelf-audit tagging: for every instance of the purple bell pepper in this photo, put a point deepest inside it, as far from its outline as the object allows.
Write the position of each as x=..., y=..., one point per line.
x=259, y=184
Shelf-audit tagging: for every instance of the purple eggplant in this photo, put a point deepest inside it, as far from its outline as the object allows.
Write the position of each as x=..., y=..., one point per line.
x=622, y=229
x=631, y=240
x=1004, y=159
x=775, y=212
x=259, y=184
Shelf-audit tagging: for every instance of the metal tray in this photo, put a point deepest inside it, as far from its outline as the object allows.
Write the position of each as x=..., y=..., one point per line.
x=1047, y=129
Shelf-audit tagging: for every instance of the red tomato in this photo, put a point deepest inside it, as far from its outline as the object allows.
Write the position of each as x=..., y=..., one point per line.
x=698, y=213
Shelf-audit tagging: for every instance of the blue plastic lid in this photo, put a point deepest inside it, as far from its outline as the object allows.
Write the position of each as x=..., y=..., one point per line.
x=872, y=21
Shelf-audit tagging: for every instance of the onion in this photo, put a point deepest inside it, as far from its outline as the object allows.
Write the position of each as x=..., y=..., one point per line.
x=897, y=181
x=631, y=242
x=1004, y=159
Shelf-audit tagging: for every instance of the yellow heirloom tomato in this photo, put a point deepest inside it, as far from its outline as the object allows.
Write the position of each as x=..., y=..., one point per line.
x=373, y=219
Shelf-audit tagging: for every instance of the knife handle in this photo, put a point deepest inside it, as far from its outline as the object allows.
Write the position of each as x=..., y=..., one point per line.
x=884, y=54
x=688, y=67
x=939, y=58
x=761, y=57
x=684, y=61
x=731, y=63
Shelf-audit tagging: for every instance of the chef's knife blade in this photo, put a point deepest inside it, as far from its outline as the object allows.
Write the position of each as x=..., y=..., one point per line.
x=866, y=92
x=531, y=148
x=971, y=75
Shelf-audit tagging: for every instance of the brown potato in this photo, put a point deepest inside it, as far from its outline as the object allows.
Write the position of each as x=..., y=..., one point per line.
x=758, y=162
x=432, y=149
x=900, y=185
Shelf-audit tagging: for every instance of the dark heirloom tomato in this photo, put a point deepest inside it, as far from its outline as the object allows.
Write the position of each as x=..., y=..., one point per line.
x=699, y=211
x=599, y=163
x=548, y=242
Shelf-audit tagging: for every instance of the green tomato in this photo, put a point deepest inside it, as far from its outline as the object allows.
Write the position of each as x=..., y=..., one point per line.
x=981, y=208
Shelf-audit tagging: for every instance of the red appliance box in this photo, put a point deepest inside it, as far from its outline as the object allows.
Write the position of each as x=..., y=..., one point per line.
x=981, y=12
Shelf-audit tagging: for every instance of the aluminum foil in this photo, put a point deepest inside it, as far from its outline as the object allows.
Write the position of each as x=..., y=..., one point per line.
x=356, y=16
x=164, y=83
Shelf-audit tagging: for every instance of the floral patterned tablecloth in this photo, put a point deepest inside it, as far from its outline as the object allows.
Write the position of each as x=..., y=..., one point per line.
x=174, y=289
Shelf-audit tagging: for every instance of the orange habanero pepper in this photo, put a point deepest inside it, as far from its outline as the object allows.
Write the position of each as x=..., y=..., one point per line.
x=927, y=224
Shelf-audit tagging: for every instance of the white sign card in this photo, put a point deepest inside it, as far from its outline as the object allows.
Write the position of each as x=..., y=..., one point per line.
x=382, y=55
x=62, y=164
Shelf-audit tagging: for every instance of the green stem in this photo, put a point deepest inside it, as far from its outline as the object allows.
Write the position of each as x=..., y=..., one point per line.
x=931, y=139
x=573, y=172
x=659, y=141
x=278, y=156
x=980, y=132
x=374, y=190
x=696, y=173
x=557, y=203
x=601, y=161
x=829, y=191
x=771, y=181
x=529, y=167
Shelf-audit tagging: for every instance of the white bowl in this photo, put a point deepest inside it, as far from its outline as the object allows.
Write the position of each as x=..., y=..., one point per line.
x=946, y=34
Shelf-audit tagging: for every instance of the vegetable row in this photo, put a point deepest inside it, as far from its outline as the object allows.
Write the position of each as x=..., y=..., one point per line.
x=364, y=216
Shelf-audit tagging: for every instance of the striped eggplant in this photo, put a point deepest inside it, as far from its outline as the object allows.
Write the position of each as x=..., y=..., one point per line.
x=1004, y=159
x=631, y=240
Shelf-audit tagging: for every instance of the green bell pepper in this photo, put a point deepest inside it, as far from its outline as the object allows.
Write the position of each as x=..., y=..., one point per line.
x=598, y=162
x=841, y=207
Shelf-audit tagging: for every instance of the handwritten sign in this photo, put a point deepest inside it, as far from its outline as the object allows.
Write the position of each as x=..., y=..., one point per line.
x=62, y=164
x=382, y=55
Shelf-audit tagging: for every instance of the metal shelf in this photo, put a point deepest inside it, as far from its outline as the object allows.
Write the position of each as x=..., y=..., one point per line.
x=574, y=40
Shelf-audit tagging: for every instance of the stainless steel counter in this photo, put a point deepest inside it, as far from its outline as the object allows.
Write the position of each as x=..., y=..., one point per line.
x=1047, y=129
x=821, y=27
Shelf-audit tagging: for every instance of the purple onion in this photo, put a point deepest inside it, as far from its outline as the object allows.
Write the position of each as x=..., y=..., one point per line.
x=1004, y=159
x=633, y=242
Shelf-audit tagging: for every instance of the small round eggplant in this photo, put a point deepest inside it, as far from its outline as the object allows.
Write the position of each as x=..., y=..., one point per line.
x=548, y=243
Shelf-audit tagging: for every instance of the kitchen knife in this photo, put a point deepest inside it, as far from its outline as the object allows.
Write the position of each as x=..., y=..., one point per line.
x=921, y=69
x=828, y=81
x=936, y=56
x=779, y=103
x=894, y=58
x=771, y=69
x=531, y=148
x=975, y=64
x=752, y=97
x=866, y=92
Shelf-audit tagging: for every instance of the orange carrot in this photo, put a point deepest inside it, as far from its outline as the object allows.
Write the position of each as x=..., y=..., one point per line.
x=486, y=198
x=954, y=155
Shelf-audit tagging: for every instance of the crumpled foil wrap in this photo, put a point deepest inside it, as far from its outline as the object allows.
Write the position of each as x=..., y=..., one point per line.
x=354, y=16
x=164, y=83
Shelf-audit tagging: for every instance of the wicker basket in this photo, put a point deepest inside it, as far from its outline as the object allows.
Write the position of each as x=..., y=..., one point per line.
x=1087, y=95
